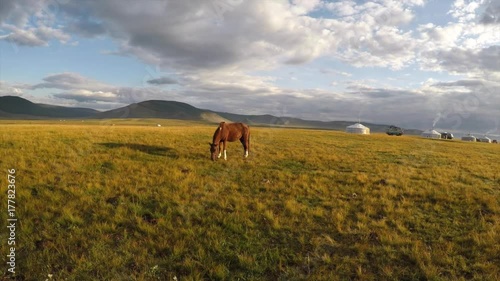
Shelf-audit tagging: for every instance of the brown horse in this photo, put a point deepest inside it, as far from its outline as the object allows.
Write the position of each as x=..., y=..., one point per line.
x=229, y=132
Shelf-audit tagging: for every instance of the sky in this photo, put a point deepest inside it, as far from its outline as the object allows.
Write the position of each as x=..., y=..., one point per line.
x=413, y=63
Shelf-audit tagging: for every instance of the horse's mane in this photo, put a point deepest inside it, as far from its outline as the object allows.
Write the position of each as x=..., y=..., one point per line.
x=218, y=132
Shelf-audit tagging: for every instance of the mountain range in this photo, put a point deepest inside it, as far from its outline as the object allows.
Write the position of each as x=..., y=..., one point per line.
x=13, y=107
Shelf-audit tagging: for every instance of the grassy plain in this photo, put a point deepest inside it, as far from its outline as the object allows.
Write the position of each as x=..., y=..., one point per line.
x=138, y=202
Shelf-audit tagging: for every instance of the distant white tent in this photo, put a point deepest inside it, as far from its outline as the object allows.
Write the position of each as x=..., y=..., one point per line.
x=469, y=137
x=358, y=128
x=431, y=134
x=485, y=139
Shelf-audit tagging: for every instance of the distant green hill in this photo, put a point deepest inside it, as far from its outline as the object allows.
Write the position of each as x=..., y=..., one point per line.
x=17, y=107
x=12, y=107
x=159, y=109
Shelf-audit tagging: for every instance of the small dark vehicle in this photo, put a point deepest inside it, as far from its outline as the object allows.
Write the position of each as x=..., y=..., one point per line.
x=394, y=131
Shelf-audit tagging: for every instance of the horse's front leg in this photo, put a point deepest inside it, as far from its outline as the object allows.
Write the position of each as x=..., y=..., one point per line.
x=220, y=150
x=224, y=147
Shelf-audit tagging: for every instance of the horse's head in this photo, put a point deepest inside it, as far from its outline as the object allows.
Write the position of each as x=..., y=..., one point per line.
x=214, y=150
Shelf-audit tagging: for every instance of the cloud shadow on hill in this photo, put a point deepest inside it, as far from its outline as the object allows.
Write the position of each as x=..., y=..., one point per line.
x=149, y=149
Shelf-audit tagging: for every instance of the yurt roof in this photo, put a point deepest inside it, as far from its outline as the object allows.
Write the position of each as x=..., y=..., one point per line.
x=357, y=126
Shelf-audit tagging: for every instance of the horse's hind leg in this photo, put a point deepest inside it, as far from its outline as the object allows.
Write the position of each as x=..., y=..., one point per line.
x=246, y=145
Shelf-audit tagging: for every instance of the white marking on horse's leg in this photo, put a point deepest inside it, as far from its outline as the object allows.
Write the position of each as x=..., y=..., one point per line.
x=220, y=154
x=225, y=155
x=246, y=153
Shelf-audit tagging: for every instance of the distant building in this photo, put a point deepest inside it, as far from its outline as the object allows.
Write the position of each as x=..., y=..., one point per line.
x=485, y=139
x=431, y=134
x=469, y=137
x=447, y=136
x=358, y=128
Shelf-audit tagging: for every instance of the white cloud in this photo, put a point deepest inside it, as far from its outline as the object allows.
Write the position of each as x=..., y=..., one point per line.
x=70, y=81
x=39, y=36
x=31, y=23
x=303, y=7
x=162, y=81
x=491, y=14
x=465, y=11
x=8, y=89
x=335, y=72
x=83, y=95
x=23, y=37
x=342, y=8
x=253, y=34
x=466, y=46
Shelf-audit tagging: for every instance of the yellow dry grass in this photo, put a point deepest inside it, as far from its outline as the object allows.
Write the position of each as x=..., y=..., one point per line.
x=138, y=202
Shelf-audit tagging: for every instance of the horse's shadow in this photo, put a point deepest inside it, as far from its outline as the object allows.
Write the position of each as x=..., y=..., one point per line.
x=149, y=149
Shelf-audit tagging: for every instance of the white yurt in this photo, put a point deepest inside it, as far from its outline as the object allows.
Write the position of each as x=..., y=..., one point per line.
x=485, y=139
x=469, y=137
x=358, y=128
x=431, y=134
